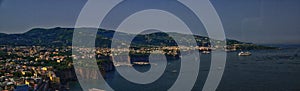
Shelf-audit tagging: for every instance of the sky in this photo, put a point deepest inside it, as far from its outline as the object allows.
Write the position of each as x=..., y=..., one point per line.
x=256, y=21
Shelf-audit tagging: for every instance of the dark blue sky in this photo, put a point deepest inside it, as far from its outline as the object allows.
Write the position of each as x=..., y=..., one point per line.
x=258, y=21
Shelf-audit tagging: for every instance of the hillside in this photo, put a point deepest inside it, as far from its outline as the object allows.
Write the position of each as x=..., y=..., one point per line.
x=63, y=37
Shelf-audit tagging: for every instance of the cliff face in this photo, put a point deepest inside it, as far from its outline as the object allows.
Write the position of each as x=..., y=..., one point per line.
x=85, y=73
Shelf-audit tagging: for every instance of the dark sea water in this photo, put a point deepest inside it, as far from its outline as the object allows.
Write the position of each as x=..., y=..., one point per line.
x=264, y=70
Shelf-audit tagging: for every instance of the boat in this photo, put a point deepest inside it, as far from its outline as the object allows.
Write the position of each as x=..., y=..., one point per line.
x=121, y=64
x=117, y=65
x=174, y=71
x=206, y=52
x=141, y=63
x=244, y=53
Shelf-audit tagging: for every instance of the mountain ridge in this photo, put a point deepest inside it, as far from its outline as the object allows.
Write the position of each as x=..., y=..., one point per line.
x=63, y=37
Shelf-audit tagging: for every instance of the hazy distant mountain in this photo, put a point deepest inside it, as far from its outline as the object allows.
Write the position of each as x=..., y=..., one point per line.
x=63, y=37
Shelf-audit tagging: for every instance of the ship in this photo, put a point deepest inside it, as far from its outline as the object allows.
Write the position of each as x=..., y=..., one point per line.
x=244, y=53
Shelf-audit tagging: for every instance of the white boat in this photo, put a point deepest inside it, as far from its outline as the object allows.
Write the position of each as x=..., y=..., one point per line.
x=141, y=63
x=244, y=53
x=117, y=65
x=121, y=64
x=206, y=52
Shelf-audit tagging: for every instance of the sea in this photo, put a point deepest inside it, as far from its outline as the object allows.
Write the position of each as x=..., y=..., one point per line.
x=264, y=70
